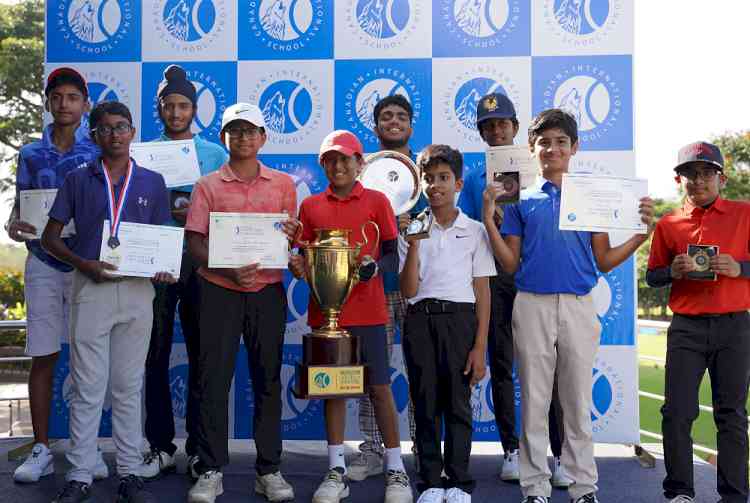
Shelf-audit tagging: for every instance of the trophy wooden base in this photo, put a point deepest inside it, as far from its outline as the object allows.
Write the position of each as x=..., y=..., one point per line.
x=331, y=368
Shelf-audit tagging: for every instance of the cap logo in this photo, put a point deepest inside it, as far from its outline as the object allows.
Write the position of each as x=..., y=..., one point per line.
x=490, y=104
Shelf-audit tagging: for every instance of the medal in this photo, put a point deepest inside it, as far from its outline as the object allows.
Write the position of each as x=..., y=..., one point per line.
x=113, y=242
x=115, y=207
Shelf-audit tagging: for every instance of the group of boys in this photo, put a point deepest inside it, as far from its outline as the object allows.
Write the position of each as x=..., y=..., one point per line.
x=487, y=278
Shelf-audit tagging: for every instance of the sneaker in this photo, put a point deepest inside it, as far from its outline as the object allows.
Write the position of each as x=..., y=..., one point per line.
x=456, y=495
x=37, y=465
x=397, y=487
x=274, y=487
x=101, y=470
x=333, y=488
x=131, y=490
x=586, y=498
x=535, y=499
x=415, y=453
x=73, y=492
x=157, y=463
x=509, y=471
x=207, y=488
x=365, y=464
x=432, y=495
x=680, y=498
x=560, y=477
x=191, y=471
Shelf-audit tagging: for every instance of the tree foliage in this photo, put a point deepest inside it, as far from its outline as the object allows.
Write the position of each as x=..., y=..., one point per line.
x=736, y=150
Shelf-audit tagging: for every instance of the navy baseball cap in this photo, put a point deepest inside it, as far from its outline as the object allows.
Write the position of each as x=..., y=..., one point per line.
x=700, y=151
x=495, y=106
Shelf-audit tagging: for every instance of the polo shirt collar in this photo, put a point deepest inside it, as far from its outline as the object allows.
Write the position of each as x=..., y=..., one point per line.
x=227, y=175
x=719, y=205
x=95, y=169
x=81, y=134
x=356, y=192
x=461, y=221
x=196, y=138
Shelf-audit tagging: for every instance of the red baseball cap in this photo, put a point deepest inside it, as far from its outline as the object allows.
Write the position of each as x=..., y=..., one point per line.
x=66, y=71
x=340, y=141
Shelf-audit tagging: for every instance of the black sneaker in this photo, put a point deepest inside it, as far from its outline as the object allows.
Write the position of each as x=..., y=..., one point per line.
x=73, y=492
x=586, y=498
x=131, y=490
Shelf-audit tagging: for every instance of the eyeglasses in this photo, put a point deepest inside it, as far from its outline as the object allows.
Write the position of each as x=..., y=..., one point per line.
x=121, y=128
x=239, y=132
x=693, y=175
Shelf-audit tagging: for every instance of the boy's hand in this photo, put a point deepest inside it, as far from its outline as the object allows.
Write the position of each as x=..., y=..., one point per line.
x=725, y=265
x=368, y=269
x=403, y=222
x=646, y=209
x=476, y=364
x=290, y=227
x=297, y=266
x=21, y=231
x=681, y=265
x=489, y=200
x=164, y=277
x=96, y=271
x=244, y=276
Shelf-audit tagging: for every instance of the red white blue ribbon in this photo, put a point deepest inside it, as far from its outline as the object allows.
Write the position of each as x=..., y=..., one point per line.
x=115, y=207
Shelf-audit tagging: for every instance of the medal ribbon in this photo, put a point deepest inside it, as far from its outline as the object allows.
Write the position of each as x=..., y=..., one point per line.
x=115, y=209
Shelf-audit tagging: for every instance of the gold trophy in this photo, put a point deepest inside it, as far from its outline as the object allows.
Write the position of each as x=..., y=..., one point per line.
x=331, y=366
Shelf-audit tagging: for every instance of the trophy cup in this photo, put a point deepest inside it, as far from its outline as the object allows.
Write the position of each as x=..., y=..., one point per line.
x=331, y=366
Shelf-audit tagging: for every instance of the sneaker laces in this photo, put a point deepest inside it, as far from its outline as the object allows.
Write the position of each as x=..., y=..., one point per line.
x=536, y=499
x=587, y=498
x=397, y=477
x=71, y=488
x=131, y=483
x=35, y=457
x=681, y=498
x=151, y=455
x=333, y=477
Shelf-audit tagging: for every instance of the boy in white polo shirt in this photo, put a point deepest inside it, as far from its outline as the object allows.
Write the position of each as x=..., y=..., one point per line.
x=446, y=281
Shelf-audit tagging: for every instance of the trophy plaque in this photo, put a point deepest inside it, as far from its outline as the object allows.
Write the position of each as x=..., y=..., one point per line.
x=331, y=364
x=701, y=256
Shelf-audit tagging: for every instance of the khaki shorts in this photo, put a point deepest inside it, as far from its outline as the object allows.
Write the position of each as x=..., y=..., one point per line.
x=47, y=292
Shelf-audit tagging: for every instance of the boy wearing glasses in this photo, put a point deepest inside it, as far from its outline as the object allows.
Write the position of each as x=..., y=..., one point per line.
x=248, y=300
x=710, y=329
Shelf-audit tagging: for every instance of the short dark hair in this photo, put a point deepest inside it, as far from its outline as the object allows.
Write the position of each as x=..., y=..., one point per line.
x=66, y=78
x=436, y=154
x=550, y=119
x=394, y=99
x=111, y=108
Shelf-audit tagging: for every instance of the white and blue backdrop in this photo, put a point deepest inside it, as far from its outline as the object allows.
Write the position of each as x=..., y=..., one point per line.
x=316, y=65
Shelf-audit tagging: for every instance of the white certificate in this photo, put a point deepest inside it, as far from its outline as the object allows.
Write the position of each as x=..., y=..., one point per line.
x=240, y=239
x=601, y=203
x=35, y=206
x=144, y=250
x=508, y=158
x=176, y=160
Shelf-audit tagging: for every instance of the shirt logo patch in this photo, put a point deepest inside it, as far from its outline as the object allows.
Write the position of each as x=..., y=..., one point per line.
x=143, y=201
x=461, y=237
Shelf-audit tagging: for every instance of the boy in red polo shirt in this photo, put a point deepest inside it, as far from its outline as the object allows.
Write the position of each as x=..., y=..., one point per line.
x=710, y=328
x=347, y=204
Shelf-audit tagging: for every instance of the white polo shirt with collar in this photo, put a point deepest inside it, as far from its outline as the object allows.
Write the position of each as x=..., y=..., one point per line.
x=450, y=259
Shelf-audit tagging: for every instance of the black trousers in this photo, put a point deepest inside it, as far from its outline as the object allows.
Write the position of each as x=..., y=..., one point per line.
x=260, y=319
x=160, y=430
x=721, y=345
x=436, y=347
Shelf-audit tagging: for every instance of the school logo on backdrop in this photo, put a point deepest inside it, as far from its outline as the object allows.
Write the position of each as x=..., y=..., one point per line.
x=189, y=26
x=383, y=24
x=581, y=23
x=609, y=297
x=482, y=407
x=178, y=387
x=104, y=86
x=607, y=395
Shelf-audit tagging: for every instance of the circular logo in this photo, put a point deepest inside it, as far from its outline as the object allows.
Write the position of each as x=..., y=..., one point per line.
x=383, y=24
x=608, y=296
x=371, y=94
x=482, y=406
x=480, y=18
x=188, y=20
x=101, y=92
x=581, y=23
x=178, y=387
x=286, y=20
x=607, y=395
x=571, y=217
x=322, y=380
x=94, y=21
x=468, y=96
x=286, y=106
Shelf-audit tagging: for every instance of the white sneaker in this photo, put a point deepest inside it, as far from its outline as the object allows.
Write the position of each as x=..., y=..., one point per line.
x=365, y=464
x=681, y=498
x=208, y=487
x=456, y=495
x=38, y=464
x=191, y=463
x=101, y=470
x=157, y=463
x=274, y=487
x=509, y=471
x=397, y=487
x=333, y=488
x=560, y=477
x=432, y=495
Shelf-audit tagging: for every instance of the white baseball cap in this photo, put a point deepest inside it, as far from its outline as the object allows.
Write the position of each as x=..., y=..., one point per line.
x=244, y=112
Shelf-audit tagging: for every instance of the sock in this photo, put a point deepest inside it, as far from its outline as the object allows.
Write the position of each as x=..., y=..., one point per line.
x=393, y=459
x=336, y=456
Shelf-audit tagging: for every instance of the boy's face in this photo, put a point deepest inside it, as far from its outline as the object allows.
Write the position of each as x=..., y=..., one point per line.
x=176, y=112
x=553, y=150
x=440, y=186
x=701, y=181
x=243, y=139
x=341, y=170
x=498, y=132
x=67, y=104
x=113, y=135
x=393, y=126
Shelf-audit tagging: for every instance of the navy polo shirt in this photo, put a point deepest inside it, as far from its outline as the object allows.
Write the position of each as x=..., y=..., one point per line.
x=83, y=197
x=552, y=261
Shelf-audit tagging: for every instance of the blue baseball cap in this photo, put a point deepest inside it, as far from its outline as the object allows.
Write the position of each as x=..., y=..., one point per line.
x=700, y=151
x=495, y=106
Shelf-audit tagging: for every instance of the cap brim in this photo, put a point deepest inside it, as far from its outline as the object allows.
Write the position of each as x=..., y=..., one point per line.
x=713, y=163
x=494, y=115
x=337, y=148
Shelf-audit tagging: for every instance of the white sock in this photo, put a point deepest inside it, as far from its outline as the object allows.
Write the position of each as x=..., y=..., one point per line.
x=393, y=459
x=336, y=456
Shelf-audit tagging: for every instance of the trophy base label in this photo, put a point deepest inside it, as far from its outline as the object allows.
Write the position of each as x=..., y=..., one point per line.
x=325, y=381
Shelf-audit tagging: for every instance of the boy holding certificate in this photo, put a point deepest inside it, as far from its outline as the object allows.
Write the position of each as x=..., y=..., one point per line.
x=701, y=250
x=110, y=316
x=177, y=108
x=555, y=326
x=249, y=301
x=347, y=204
x=43, y=164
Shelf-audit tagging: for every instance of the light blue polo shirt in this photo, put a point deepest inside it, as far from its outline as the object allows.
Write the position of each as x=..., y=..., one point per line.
x=552, y=261
x=471, y=198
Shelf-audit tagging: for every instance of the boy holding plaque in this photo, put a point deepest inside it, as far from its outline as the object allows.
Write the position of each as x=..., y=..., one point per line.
x=43, y=164
x=710, y=329
x=247, y=301
x=110, y=316
x=347, y=204
x=555, y=326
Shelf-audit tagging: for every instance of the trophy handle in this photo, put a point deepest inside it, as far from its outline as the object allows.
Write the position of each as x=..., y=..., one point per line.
x=364, y=235
x=298, y=235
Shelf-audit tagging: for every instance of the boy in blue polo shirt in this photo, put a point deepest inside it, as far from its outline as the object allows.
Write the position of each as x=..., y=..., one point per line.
x=555, y=326
x=110, y=317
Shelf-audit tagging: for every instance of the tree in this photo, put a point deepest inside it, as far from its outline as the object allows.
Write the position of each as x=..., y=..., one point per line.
x=736, y=150
x=650, y=299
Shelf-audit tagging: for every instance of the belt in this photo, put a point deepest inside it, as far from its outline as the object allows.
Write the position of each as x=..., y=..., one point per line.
x=709, y=315
x=435, y=306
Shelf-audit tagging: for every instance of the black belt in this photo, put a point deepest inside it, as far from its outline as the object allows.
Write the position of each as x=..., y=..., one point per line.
x=709, y=315
x=435, y=306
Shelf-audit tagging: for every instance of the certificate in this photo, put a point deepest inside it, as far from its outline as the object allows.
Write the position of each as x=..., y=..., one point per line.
x=35, y=206
x=601, y=203
x=511, y=158
x=176, y=161
x=240, y=239
x=144, y=250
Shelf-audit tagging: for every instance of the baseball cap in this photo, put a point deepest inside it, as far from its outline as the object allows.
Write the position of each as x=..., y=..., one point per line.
x=65, y=71
x=495, y=106
x=341, y=141
x=700, y=151
x=243, y=112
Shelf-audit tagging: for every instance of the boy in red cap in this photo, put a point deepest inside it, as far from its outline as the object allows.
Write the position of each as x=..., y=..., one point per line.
x=347, y=204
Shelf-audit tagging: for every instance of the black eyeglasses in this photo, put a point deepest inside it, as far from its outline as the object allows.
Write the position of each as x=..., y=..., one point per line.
x=693, y=174
x=239, y=132
x=121, y=128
